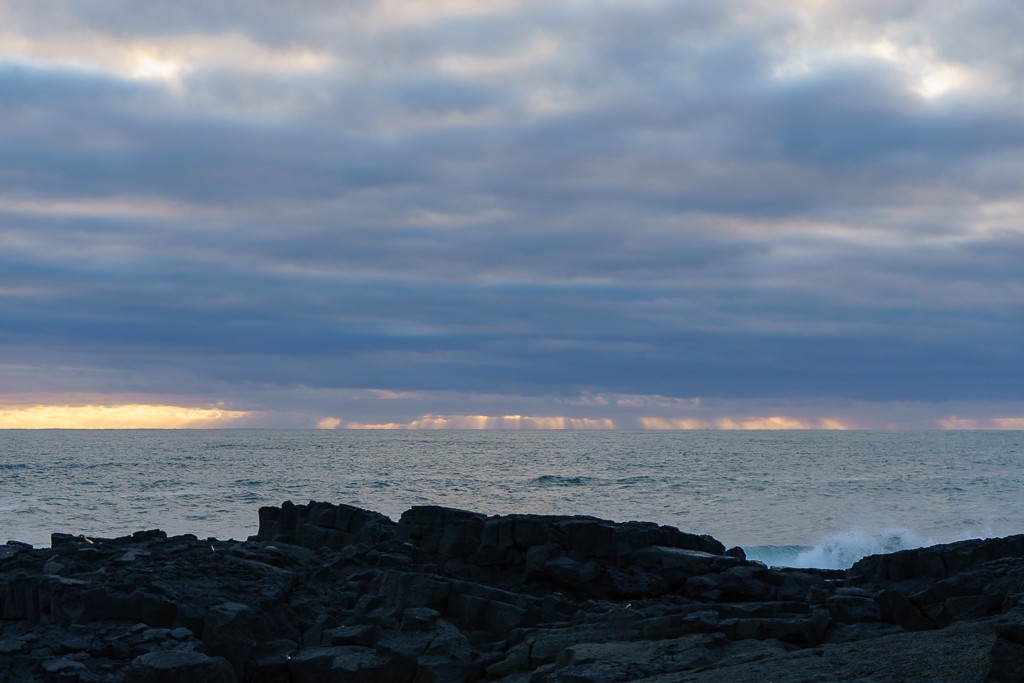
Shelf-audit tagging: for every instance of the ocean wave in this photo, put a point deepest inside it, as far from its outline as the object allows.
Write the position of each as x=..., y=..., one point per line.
x=557, y=480
x=839, y=551
x=180, y=493
x=776, y=555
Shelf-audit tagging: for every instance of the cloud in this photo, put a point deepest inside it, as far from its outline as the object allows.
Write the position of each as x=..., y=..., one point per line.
x=744, y=423
x=730, y=200
x=490, y=422
x=116, y=417
x=983, y=423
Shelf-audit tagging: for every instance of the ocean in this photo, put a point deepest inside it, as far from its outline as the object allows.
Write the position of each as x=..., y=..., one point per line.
x=797, y=498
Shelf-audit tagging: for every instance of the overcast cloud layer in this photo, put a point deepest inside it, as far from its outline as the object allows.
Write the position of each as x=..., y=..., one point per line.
x=636, y=213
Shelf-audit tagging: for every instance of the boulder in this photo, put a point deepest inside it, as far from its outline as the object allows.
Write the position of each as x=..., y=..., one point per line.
x=445, y=532
x=348, y=663
x=231, y=630
x=173, y=666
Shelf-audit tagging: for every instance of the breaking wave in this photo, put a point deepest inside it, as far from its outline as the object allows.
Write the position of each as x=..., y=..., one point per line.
x=838, y=551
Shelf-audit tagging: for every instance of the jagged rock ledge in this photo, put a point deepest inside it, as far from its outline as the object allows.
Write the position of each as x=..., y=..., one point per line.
x=336, y=593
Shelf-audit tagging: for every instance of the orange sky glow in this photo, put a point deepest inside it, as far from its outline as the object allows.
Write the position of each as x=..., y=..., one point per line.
x=131, y=416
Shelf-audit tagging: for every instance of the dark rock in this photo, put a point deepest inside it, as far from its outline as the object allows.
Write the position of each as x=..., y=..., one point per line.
x=935, y=562
x=896, y=608
x=568, y=571
x=172, y=666
x=1006, y=662
x=319, y=524
x=441, y=654
x=751, y=582
x=363, y=634
x=418, y=619
x=332, y=592
x=736, y=552
x=635, y=582
x=348, y=663
x=853, y=609
x=9, y=646
x=681, y=561
x=442, y=531
x=268, y=661
x=64, y=669
x=231, y=630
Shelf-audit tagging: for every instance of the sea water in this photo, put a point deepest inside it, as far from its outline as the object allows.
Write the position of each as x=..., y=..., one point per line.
x=798, y=498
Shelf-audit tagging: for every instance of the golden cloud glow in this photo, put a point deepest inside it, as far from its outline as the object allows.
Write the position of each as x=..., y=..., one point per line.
x=991, y=423
x=559, y=422
x=490, y=422
x=162, y=58
x=147, y=67
x=131, y=416
x=773, y=422
x=673, y=423
x=329, y=423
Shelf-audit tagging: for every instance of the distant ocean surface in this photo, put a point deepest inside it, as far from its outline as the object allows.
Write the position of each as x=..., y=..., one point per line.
x=800, y=498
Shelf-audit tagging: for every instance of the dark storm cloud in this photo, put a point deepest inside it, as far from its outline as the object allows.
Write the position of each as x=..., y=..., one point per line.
x=648, y=198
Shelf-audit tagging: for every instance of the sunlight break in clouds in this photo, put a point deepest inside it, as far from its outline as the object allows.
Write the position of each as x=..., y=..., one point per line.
x=329, y=423
x=992, y=423
x=924, y=72
x=165, y=59
x=774, y=422
x=132, y=416
x=490, y=422
x=827, y=35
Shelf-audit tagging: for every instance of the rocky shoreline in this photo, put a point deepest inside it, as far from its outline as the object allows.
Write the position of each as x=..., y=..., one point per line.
x=335, y=593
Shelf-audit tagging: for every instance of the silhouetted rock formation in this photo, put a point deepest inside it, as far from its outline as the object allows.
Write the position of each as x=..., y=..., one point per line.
x=335, y=593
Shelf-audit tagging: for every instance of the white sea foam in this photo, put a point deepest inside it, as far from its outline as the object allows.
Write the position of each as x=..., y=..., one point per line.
x=841, y=550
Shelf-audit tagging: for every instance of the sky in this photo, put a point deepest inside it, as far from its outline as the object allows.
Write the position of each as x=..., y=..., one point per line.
x=512, y=214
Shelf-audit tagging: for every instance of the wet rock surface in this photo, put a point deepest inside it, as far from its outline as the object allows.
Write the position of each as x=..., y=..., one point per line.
x=335, y=593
